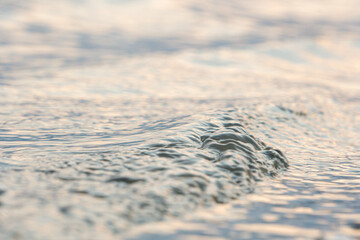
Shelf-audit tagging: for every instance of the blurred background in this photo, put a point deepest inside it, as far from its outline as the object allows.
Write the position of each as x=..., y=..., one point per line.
x=83, y=32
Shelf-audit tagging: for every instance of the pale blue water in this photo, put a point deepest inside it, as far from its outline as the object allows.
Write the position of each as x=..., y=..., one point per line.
x=179, y=120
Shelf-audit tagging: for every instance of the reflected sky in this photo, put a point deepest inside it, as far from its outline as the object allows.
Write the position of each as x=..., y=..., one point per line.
x=106, y=108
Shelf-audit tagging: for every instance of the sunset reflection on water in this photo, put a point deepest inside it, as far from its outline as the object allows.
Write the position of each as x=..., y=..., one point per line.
x=179, y=119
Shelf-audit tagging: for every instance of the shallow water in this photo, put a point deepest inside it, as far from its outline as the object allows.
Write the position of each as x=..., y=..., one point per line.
x=179, y=120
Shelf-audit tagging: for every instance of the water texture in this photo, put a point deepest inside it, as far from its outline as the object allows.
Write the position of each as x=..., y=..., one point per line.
x=179, y=119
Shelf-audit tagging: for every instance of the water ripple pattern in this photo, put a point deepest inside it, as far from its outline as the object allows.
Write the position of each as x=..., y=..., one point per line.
x=161, y=119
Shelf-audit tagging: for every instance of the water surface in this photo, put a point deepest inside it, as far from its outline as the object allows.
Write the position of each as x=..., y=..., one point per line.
x=179, y=120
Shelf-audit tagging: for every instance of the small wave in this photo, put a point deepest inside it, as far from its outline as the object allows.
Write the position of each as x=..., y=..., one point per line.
x=186, y=167
x=198, y=164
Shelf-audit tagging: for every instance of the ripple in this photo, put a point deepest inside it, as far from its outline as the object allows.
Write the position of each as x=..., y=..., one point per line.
x=190, y=165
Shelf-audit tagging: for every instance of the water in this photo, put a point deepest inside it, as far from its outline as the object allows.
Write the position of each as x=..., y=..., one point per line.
x=179, y=120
